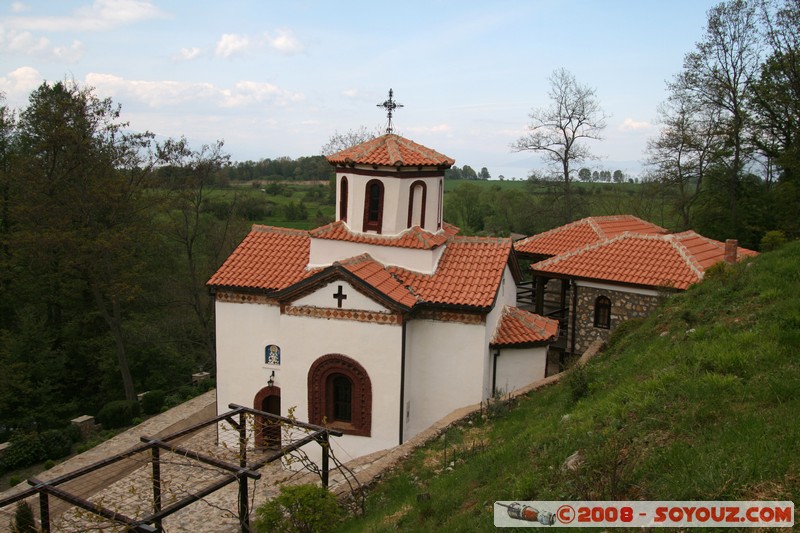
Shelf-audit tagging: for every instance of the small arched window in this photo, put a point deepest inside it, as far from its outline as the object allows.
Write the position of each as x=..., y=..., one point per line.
x=343, y=199
x=340, y=395
x=416, y=204
x=373, y=206
x=602, y=312
x=441, y=202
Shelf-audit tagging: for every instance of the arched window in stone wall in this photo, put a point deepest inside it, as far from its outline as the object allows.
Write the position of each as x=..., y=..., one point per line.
x=602, y=312
x=340, y=394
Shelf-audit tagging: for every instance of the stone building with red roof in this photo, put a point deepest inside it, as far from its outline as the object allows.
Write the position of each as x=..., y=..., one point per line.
x=381, y=322
x=597, y=272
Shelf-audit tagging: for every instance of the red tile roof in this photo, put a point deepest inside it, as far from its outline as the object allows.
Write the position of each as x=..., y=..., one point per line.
x=677, y=261
x=583, y=232
x=517, y=326
x=468, y=274
x=414, y=237
x=378, y=277
x=393, y=151
x=268, y=258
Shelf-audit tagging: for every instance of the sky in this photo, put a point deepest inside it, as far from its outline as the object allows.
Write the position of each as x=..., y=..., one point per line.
x=279, y=78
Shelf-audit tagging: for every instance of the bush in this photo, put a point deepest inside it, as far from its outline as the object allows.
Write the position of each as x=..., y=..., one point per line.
x=25, y=449
x=772, y=240
x=56, y=443
x=119, y=413
x=24, y=521
x=153, y=401
x=305, y=508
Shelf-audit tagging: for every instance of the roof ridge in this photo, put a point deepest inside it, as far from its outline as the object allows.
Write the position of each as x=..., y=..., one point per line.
x=596, y=227
x=587, y=248
x=552, y=230
x=687, y=257
x=262, y=228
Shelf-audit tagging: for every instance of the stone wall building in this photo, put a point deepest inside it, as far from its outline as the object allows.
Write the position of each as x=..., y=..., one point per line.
x=598, y=272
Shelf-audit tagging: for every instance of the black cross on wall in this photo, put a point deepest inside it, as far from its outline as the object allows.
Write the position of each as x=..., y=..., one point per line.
x=340, y=296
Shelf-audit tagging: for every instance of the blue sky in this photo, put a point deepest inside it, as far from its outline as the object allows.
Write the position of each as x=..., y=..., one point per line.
x=279, y=78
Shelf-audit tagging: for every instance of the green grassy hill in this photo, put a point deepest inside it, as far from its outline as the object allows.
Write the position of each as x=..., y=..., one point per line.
x=699, y=402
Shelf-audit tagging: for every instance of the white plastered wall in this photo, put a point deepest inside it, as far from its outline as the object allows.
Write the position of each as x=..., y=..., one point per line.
x=519, y=367
x=445, y=367
x=506, y=296
x=324, y=297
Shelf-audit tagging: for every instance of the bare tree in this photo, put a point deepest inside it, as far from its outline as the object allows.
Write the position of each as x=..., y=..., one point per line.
x=718, y=76
x=684, y=150
x=342, y=141
x=558, y=130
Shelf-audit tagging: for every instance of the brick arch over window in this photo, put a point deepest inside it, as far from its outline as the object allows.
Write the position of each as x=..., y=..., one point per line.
x=322, y=377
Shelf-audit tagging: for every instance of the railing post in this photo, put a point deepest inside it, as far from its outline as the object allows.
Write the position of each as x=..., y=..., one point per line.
x=157, y=486
x=44, y=511
x=325, y=443
x=244, y=510
x=242, y=440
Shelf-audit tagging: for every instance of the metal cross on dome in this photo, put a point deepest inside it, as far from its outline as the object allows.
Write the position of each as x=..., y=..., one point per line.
x=389, y=105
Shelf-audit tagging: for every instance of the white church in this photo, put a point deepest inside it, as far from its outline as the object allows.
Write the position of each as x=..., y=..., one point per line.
x=382, y=322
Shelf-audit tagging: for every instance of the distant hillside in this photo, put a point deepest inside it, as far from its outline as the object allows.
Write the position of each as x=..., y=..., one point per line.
x=699, y=402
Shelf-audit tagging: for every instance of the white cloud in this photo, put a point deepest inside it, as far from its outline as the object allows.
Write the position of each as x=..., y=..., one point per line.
x=231, y=44
x=18, y=7
x=70, y=53
x=350, y=93
x=19, y=83
x=170, y=93
x=633, y=125
x=101, y=15
x=284, y=42
x=251, y=92
x=26, y=43
x=152, y=93
x=439, y=128
x=188, y=54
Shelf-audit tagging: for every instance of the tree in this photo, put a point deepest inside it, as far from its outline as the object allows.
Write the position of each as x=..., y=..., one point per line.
x=468, y=173
x=717, y=76
x=342, y=141
x=585, y=174
x=80, y=211
x=484, y=174
x=559, y=130
x=619, y=177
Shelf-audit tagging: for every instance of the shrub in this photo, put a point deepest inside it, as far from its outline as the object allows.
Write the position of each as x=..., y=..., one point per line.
x=772, y=240
x=119, y=413
x=24, y=521
x=56, y=443
x=153, y=401
x=304, y=508
x=24, y=450
x=578, y=380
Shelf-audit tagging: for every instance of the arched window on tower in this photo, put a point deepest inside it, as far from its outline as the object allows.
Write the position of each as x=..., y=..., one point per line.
x=343, y=199
x=602, y=312
x=441, y=202
x=373, y=206
x=416, y=204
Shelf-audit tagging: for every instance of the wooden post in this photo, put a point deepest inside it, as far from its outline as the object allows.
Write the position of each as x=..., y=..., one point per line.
x=44, y=511
x=244, y=510
x=325, y=443
x=539, y=295
x=157, y=486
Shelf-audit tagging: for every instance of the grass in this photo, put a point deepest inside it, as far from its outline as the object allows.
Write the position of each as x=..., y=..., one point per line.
x=698, y=402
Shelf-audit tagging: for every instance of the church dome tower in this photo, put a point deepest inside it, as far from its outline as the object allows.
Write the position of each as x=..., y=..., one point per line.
x=388, y=185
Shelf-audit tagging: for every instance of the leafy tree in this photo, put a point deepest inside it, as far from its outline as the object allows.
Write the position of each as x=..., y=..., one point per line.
x=468, y=173
x=585, y=174
x=484, y=174
x=559, y=130
x=619, y=177
x=80, y=211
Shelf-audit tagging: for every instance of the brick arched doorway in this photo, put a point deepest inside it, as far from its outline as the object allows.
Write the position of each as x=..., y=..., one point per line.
x=268, y=432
